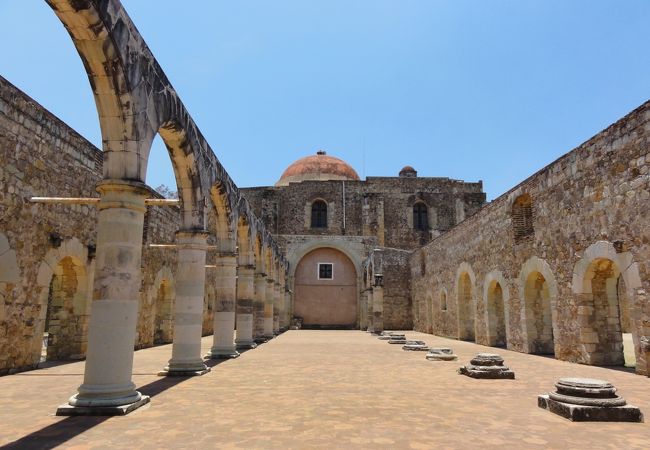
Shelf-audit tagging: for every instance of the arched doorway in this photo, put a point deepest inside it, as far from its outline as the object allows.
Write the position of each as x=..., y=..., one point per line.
x=606, y=316
x=325, y=290
x=164, y=318
x=66, y=315
x=539, y=319
x=465, y=308
x=496, y=315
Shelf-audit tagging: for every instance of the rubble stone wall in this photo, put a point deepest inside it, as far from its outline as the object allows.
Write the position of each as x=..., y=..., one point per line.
x=555, y=265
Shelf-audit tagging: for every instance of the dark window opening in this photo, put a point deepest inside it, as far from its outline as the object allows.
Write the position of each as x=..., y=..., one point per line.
x=325, y=271
x=319, y=214
x=420, y=219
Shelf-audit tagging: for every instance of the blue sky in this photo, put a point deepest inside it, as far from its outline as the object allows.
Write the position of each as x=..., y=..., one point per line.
x=475, y=90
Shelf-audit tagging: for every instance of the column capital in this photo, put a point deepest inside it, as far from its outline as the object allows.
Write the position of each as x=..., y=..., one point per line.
x=124, y=194
x=192, y=239
x=269, y=280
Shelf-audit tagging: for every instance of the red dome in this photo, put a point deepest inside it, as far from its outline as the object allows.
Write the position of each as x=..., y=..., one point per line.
x=318, y=167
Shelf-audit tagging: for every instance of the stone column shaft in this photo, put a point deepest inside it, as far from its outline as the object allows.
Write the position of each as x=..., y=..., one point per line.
x=244, y=308
x=268, y=308
x=276, y=308
x=188, y=307
x=223, y=344
x=116, y=291
x=378, y=309
x=371, y=327
x=258, y=308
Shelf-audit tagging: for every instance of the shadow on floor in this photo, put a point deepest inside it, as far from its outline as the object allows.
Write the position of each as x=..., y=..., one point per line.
x=62, y=431
x=56, y=434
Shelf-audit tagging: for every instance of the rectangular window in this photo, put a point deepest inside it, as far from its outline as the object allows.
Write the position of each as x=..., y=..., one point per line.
x=325, y=271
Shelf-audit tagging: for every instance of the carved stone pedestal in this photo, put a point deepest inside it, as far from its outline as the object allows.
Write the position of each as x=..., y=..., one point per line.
x=387, y=335
x=441, y=354
x=588, y=400
x=487, y=366
x=397, y=339
x=416, y=346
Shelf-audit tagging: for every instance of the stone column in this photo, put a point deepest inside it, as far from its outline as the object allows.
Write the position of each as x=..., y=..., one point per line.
x=244, y=308
x=288, y=308
x=371, y=321
x=377, y=309
x=363, y=310
x=268, y=308
x=223, y=344
x=258, y=308
x=276, y=307
x=107, y=388
x=188, y=306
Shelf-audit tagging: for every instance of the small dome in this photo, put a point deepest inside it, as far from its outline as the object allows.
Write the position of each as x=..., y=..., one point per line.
x=408, y=172
x=318, y=167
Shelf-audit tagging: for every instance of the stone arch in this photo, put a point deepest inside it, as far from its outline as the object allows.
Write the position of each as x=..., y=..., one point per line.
x=163, y=296
x=244, y=242
x=330, y=301
x=64, y=286
x=443, y=299
x=539, y=291
x=298, y=253
x=600, y=279
x=496, y=298
x=465, y=302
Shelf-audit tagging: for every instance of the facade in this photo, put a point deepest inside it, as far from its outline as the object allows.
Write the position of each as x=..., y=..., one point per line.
x=325, y=218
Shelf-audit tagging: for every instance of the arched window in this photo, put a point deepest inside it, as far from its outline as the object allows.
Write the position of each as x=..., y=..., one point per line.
x=319, y=214
x=522, y=217
x=443, y=301
x=420, y=219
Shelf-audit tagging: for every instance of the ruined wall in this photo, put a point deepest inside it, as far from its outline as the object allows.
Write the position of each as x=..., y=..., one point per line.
x=398, y=311
x=381, y=207
x=47, y=251
x=533, y=257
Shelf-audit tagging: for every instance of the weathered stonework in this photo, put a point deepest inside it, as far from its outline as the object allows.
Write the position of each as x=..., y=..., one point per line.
x=557, y=265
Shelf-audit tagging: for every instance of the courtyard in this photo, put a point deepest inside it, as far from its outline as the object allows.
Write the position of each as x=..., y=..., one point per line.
x=318, y=389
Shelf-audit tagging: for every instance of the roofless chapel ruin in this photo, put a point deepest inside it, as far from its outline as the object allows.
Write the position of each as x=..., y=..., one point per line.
x=95, y=264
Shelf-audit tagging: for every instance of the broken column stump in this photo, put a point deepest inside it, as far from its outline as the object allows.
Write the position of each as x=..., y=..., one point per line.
x=416, y=346
x=386, y=335
x=397, y=339
x=441, y=354
x=588, y=400
x=487, y=366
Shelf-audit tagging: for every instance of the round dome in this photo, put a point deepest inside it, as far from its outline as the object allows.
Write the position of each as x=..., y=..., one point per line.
x=408, y=172
x=318, y=167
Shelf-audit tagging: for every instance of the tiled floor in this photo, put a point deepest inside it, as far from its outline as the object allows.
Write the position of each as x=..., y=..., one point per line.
x=323, y=389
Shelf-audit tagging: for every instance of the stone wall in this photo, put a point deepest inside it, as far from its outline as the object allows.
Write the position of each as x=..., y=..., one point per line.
x=381, y=207
x=398, y=311
x=47, y=251
x=544, y=267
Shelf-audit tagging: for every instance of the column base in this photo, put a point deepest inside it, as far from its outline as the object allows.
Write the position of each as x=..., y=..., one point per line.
x=268, y=337
x=188, y=369
x=260, y=340
x=121, y=410
x=222, y=354
x=245, y=345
